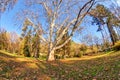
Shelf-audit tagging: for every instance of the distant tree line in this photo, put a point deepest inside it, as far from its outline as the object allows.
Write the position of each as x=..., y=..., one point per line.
x=54, y=39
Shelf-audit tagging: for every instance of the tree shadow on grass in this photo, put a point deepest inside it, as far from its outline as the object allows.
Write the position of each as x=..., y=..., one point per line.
x=98, y=68
x=12, y=68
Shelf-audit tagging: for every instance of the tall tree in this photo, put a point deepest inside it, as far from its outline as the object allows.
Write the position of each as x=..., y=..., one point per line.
x=3, y=39
x=100, y=29
x=26, y=47
x=31, y=38
x=57, y=15
x=36, y=45
x=14, y=41
x=26, y=38
x=9, y=41
x=104, y=16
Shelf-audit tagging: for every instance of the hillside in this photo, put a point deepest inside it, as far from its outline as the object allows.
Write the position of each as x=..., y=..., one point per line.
x=96, y=67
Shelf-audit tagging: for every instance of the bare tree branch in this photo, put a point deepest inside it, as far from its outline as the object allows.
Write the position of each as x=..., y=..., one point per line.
x=32, y=24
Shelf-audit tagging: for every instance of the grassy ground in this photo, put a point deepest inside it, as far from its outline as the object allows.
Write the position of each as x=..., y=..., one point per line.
x=96, y=67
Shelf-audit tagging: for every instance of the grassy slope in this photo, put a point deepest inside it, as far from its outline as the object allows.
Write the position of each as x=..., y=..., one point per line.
x=98, y=67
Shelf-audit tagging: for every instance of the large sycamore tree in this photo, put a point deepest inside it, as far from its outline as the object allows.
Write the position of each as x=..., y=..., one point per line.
x=59, y=17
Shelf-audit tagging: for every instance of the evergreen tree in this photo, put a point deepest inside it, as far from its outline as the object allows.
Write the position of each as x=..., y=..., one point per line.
x=36, y=45
x=26, y=48
x=26, y=37
x=31, y=40
x=65, y=50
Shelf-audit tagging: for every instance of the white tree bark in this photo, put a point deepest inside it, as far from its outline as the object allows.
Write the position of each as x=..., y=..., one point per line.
x=53, y=13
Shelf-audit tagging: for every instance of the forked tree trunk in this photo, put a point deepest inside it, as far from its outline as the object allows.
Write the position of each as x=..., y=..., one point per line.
x=51, y=54
x=53, y=17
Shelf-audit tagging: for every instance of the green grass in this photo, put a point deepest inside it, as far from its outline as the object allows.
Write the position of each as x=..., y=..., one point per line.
x=105, y=66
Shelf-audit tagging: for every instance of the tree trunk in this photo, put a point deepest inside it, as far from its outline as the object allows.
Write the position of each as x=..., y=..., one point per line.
x=36, y=54
x=51, y=55
x=112, y=33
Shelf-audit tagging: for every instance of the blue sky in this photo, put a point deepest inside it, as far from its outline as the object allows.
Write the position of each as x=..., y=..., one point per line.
x=7, y=20
x=116, y=2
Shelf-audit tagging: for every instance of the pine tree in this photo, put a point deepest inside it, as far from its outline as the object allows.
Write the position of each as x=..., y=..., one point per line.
x=26, y=40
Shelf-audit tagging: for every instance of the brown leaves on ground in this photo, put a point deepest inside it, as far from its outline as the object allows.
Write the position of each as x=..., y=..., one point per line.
x=99, y=67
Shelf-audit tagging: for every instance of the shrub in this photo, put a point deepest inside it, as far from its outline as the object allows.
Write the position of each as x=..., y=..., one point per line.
x=78, y=54
x=83, y=48
x=117, y=46
x=26, y=51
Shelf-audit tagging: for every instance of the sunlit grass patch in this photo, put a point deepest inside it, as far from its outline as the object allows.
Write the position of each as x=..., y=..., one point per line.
x=101, y=66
